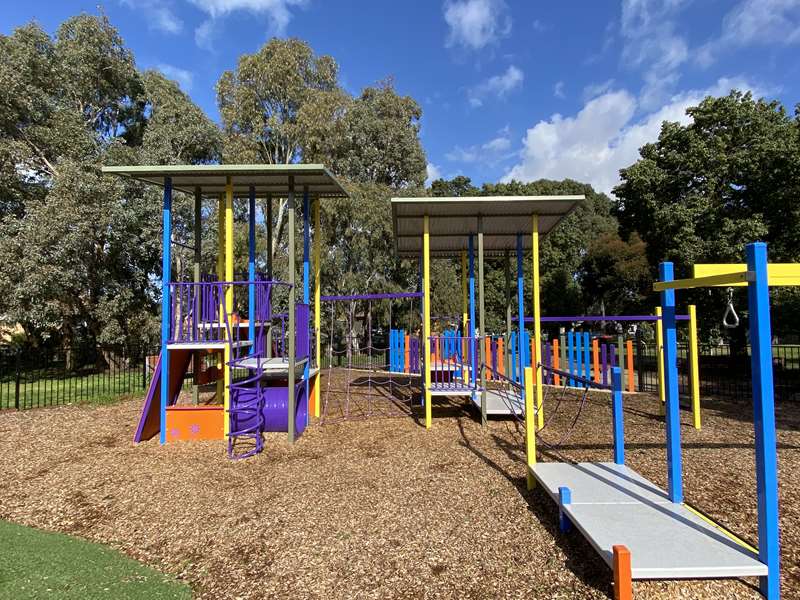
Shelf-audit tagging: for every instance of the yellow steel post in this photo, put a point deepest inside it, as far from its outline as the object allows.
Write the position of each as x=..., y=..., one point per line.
x=426, y=315
x=220, y=277
x=537, y=323
x=694, y=365
x=660, y=356
x=530, y=427
x=228, y=291
x=317, y=292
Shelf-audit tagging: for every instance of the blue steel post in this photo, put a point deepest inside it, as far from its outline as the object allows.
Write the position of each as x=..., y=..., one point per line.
x=579, y=355
x=564, y=499
x=764, y=419
x=673, y=415
x=617, y=415
x=587, y=357
x=472, y=333
x=166, y=275
x=251, y=270
x=521, y=321
x=307, y=285
x=571, y=354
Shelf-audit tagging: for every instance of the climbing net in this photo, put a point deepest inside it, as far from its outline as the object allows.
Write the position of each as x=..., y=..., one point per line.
x=563, y=389
x=357, y=381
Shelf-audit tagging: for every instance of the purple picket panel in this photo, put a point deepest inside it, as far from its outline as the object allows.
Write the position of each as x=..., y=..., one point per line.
x=413, y=354
x=301, y=326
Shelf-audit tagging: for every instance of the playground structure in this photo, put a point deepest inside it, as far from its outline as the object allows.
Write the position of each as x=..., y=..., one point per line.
x=266, y=369
x=266, y=379
x=470, y=228
x=641, y=531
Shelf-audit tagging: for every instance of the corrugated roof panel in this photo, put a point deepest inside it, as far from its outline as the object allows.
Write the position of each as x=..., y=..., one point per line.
x=452, y=220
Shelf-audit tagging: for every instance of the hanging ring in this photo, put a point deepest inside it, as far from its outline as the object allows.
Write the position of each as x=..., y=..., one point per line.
x=730, y=320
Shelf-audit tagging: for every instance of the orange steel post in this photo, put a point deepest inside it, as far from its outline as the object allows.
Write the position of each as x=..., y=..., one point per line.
x=556, y=356
x=501, y=367
x=623, y=586
x=629, y=363
x=408, y=353
x=596, y=359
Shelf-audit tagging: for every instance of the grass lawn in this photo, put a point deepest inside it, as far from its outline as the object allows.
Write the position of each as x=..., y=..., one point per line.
x=39, y=564
x=93, y=388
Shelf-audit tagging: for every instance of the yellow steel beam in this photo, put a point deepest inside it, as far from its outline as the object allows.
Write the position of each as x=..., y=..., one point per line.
x=723, y=279
x=778, y=274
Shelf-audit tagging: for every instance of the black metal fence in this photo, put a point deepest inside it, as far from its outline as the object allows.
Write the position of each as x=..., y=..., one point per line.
x=35, y=377
x=722, y=372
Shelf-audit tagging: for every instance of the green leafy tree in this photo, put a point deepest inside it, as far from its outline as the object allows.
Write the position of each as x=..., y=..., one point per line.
x=703, y=190
x=82, y=249
x=262, y=101
x=458, y=186
x=381, y=142
x=561, y=251
x=615, y=276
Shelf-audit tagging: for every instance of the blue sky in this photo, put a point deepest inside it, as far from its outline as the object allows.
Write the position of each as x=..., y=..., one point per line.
x=521, y=89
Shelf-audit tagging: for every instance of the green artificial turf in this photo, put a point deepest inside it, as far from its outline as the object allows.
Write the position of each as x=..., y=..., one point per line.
x=39, y=564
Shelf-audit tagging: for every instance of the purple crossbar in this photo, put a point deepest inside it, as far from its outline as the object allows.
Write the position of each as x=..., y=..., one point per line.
x=596, y=318
x=371, y=296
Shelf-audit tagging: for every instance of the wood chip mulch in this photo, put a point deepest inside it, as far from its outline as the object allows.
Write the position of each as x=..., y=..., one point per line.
x=377, y=507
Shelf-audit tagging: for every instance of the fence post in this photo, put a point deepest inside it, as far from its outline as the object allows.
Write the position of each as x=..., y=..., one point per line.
x=640, y=359
x=17, y=375
x=694, y=366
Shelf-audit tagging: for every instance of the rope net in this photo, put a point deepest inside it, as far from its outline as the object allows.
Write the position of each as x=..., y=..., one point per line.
x=358, y=383
x=572, y=390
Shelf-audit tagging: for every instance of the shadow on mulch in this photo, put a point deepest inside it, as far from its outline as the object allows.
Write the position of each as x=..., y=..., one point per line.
x=582, y=560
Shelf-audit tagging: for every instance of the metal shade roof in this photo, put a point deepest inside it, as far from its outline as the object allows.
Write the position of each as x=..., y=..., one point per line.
x=211, y=179
x=452, y=220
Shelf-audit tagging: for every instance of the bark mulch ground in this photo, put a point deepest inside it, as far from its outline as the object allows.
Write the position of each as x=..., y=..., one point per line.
x=376, y=507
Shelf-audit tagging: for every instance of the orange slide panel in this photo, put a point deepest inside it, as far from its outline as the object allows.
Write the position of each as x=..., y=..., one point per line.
x=195, y=423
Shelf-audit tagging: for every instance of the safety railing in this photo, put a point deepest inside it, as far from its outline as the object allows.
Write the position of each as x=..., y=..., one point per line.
x=199, y=311
x=451, y=362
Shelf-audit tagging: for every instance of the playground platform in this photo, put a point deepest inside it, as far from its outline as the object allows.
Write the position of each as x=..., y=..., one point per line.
x=499, y=403
x=611, y=505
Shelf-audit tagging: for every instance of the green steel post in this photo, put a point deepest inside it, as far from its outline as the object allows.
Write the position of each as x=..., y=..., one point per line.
x=198, y=255
x=482, y=320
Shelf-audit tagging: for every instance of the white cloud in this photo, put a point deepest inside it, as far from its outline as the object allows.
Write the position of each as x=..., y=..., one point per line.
x=597, y=89
x=498, y=144
x=277, y=11
x=603, y=137
x=204, y=34
x=651, y=43
x=475, y=24
x=433, y=173
x=159, y=14
x=182, y=76
x=497, y=85
x=490, y=152
x=753, y=22
x=558, y=90
x=464, y=155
